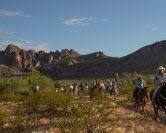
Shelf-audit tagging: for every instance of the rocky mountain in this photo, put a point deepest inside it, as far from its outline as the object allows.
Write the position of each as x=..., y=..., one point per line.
x=145, y=60
x=6, y=71
x=23, y=60
x=68, y=63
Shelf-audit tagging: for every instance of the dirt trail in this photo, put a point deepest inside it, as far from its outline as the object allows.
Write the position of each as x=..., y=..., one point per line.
x=123, y=119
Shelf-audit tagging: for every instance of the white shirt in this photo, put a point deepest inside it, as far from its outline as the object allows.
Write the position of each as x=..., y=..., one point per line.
x=160, y=78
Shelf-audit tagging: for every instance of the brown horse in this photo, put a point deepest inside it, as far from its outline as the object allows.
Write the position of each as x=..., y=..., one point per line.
x=140, y=98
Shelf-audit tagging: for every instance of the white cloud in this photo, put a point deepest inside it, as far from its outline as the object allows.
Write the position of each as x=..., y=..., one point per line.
x=82, y=21
x=25, y=44
x=7, y=13
x=77, y=21
x=7, y=33
x=153, y=27
x=105, y=20
x=9, y=37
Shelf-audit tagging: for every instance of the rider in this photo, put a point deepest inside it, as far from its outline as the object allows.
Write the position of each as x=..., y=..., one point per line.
x=109, y=82
x=95, y=82
x=82, y=86
x=139, y=83
x=101, y=86
x=75, y=88
x=160, y=78
x=114, y=83
x=108, y=85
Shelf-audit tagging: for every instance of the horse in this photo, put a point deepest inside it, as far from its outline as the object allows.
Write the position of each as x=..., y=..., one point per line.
x=160, y=100
x=114, y=91
x=101, y=87
x=140, y=98
x=75, y=89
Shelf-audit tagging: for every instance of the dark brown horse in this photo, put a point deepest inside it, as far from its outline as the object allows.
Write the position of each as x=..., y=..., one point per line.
x=160, y=100
x=140, y=98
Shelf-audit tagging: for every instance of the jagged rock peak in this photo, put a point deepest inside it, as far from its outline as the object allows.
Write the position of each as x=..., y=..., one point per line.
x=12, y=48
x=69, y=53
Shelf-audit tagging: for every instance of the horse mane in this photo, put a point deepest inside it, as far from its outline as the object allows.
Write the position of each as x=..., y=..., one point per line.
x=142, y=93
x=162, y=90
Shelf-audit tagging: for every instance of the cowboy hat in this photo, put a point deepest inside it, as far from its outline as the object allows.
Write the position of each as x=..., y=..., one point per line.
x=161, y=68
x=140, y=76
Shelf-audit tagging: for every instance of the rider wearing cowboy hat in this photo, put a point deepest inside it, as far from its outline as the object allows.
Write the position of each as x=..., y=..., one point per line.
x=139, y=83
x=160, y=78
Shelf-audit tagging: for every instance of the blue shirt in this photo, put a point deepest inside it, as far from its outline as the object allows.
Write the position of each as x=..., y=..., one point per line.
x=140, y=83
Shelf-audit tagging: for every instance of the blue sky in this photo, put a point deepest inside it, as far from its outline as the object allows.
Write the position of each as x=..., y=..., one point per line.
x=116, y=27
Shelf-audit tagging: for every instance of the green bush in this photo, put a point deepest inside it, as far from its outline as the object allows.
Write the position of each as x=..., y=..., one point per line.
x=14, y=87
x=35, y=77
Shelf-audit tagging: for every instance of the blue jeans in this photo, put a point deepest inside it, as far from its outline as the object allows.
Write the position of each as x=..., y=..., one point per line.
x=154, y=93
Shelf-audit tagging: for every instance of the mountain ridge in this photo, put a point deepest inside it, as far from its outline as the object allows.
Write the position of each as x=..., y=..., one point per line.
x=68, y=63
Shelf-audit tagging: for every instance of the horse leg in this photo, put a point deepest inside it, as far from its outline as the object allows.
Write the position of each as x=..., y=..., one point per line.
x=115, y=98
x=136, y=105
x=164, y=109
x=155, y=111
x=112, y=98
x=156, y=108
x=143, y=107
x=110, y=95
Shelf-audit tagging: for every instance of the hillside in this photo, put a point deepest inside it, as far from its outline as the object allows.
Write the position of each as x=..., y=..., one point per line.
x=144, y=60
x=68, y=63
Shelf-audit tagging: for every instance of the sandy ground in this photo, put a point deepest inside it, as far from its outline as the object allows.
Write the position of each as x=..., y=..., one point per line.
x=123, y=119
x=126, y=120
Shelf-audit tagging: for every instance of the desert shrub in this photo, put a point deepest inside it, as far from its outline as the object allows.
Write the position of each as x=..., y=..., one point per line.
x=86, y=115
x=18, y=121
x=57, y=99
x=9, y=97
x=67, y=113
x=15, y=87
x=64, y=111
x=5, y=84
x=49, y=99
x=4, y=117
x=19, y=84
x=35, y=78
